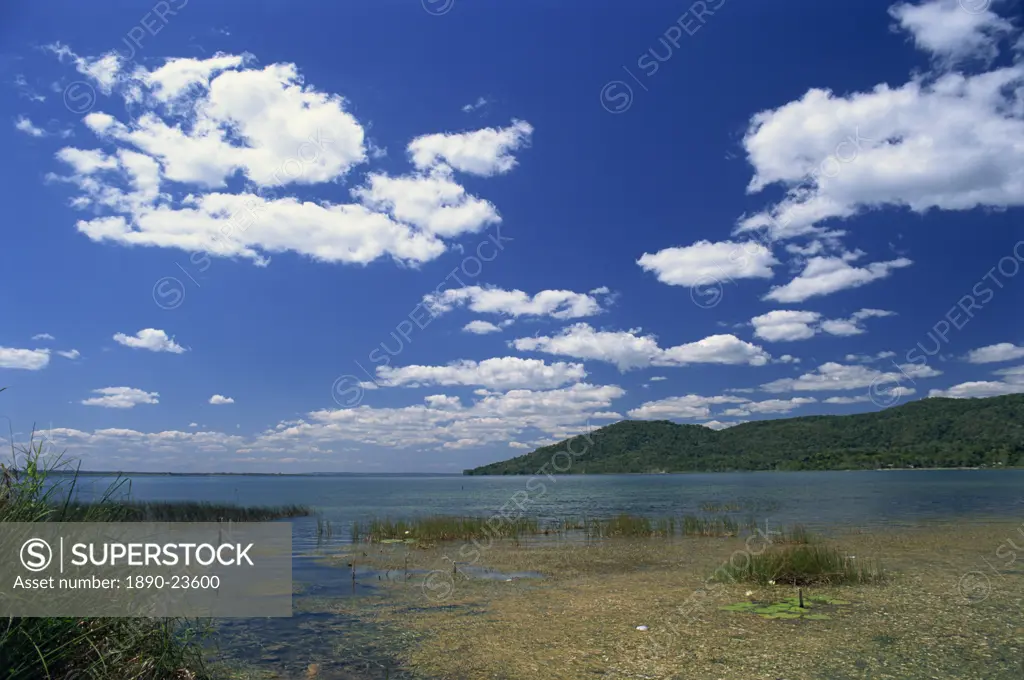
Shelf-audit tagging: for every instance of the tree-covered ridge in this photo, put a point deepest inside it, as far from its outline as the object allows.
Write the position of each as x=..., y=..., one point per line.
x=933, y=432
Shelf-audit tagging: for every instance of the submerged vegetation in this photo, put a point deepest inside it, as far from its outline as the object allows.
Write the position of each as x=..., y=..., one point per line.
x=934, y=432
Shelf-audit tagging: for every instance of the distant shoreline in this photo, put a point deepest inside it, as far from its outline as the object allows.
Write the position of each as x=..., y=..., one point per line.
x=100, y=473
x=469, y=473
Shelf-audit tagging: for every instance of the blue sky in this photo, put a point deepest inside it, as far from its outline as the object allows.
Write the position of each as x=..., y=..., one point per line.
x=422, y=236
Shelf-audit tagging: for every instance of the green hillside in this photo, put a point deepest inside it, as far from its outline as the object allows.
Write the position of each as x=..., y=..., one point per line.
x=925, y=433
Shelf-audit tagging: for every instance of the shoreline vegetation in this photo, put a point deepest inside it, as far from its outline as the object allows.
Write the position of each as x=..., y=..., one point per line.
x=933, y=433
x=56, y=648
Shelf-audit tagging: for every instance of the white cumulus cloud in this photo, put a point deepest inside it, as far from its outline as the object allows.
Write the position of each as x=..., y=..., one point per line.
x=557, y=304
x=121, y=397
x=27, y=359
x=152, y=339
x=705, y=261
x=1003, y=351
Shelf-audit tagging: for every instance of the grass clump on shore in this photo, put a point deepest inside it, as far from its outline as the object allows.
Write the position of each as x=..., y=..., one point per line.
x=70, y=647
x=631, y=525
x=798, y=535
x=802, y=565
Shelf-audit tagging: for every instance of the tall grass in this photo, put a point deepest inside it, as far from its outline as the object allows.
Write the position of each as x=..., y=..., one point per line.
x=94, y=648
x=447, y=528
x=134, y=511
x=710, y=526
x=444, y=528
x=802, y=565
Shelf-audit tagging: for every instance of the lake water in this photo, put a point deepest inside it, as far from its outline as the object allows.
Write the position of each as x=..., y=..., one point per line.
x=817, y=499
x=346, y=647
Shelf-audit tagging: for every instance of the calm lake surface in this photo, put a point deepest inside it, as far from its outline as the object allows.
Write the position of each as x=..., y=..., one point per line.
x=817, y=499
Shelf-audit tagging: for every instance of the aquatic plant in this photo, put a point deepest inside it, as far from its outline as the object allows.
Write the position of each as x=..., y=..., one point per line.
x=802, y=565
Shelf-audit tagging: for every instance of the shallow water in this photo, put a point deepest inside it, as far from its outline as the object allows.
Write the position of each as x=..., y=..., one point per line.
x=342, y=647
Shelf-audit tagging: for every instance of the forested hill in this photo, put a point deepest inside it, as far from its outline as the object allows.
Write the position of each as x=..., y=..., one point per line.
x=934, y=432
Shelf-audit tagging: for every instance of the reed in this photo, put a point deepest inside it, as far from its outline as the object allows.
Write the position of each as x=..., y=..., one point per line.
x=96, y=648
x=798, y=535
x=802, y=565
x=134, y=511
x=444, y=528
x=710, y=526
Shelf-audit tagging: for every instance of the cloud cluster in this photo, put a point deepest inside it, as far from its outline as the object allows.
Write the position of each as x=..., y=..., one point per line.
x=787, y=325
x=947, y=139
x=1011, y=382
x=205, y=126
x=628, y=349
x=499, y=373
x=556, y=304
x=836, y=377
